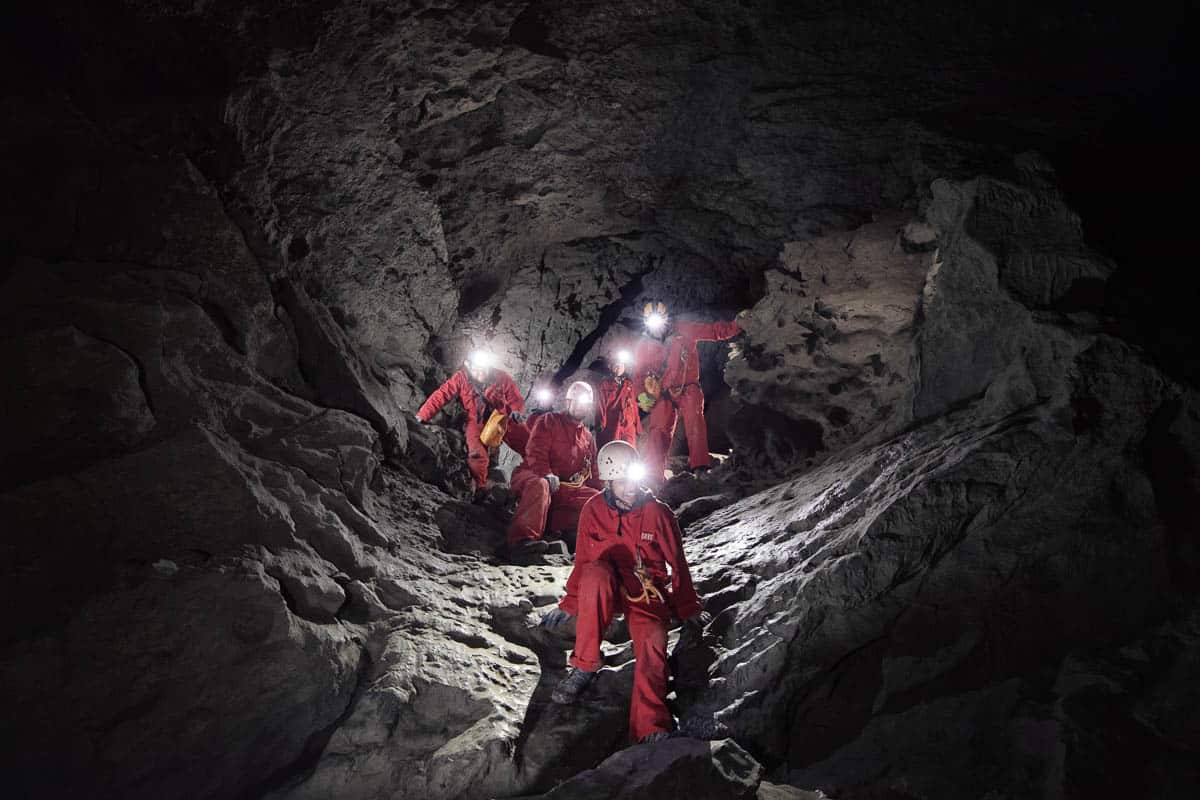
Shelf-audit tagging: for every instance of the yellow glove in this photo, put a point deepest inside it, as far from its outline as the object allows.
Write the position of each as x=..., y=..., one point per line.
x=646, y=402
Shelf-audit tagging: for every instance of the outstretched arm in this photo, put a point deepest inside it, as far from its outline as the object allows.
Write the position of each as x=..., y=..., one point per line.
x=440, y=397
x=709, y=331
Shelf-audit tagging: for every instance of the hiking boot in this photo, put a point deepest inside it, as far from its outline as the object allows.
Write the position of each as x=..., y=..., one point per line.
x=657, y=736
x=570, y=687
x=527, y=550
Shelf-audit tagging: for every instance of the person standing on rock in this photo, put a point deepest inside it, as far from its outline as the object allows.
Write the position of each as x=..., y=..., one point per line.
x=557, y=476
x=481, y=388
x=627, y=541
x=618, y=408
x=668, y=374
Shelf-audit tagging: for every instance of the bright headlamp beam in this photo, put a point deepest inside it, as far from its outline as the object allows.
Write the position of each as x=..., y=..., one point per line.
x=482, y=359
x=635, y=472
x=655, y=321
x=623, y=357
x=544, y=396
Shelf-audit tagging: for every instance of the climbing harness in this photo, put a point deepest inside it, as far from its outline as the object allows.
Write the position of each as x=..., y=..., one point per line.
x=579, y=478
x=648, y=588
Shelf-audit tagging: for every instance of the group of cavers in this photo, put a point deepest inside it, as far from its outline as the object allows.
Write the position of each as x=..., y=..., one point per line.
x=628, y=546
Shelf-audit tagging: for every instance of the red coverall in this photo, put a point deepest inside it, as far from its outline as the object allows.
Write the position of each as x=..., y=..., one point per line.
x=619, y=417
x=602, y=583
x=518, y=433
x=676, y=363
x=558, y=445
x=501, y=394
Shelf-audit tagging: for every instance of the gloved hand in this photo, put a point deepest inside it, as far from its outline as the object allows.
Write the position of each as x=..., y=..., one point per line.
x=552, y=619
x=418, y=419
x=517, y=417
x=554, y=482
x=646, y=402
x=696, y=623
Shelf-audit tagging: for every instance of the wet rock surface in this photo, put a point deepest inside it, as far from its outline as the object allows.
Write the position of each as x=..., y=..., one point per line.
x=950, y=556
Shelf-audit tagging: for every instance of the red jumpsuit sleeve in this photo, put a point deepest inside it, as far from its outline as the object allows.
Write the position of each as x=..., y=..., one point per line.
x=537, y=451
x=683, y=594
x=440, y=397
x=643, y=366
x=605, y=395
x=709, y=331
x=630, y=398
x=583, y=556
x=594, y=481
x=512, y=395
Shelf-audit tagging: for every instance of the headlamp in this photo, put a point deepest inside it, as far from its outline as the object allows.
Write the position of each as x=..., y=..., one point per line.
x=635, y=471
x=656, y=321
x=623, y=357
x=544, y=396
x=482, y=359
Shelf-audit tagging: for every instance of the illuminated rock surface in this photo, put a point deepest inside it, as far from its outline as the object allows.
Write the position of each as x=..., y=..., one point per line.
x=953, y=553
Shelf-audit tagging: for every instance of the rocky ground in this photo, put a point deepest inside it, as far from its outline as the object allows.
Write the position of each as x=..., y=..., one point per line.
x=952, y=554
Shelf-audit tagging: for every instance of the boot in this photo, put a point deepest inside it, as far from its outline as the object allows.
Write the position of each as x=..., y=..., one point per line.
x=570, y=687
x=528, y=550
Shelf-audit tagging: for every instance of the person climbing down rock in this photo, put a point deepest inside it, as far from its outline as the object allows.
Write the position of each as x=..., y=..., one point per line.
x=491, y=400
x=617, y=412
x=668, y=376
x=557, y=476
x=627, y=541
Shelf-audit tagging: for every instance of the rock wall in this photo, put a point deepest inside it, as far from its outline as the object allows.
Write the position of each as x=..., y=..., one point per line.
x=242, y=240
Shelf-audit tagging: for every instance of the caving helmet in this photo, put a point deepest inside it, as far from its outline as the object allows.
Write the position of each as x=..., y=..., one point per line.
x=619, y=459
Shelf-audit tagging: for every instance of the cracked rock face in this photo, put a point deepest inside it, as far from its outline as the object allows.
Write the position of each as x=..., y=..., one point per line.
x=952, y=554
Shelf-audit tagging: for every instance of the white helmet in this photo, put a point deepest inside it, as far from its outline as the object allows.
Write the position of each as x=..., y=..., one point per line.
x=581, y=391
x=619, y=459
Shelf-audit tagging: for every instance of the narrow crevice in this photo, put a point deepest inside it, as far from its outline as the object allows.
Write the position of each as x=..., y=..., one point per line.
x=608, y=316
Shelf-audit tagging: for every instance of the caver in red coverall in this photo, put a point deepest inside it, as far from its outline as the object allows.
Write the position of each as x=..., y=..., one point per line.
x=558, y=445
x=676, y=363
x=602, y=583
x=619, y=417
x=500, y=394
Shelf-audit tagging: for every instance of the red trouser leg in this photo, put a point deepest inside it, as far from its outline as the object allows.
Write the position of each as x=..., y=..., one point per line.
x=659, y=434
x=597, y=604
x=517, y=437
x=648, y=712
x=691, y=407
x=565, y=505
x=477, y=457
x=530, y=520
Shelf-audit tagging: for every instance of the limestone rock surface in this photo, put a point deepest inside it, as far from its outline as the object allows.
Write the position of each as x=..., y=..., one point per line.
x=241, y=242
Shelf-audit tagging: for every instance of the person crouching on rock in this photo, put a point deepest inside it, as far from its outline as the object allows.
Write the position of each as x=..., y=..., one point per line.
x=627, y=540
x=618, y=409
x=485, y=391
x=557, y=476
